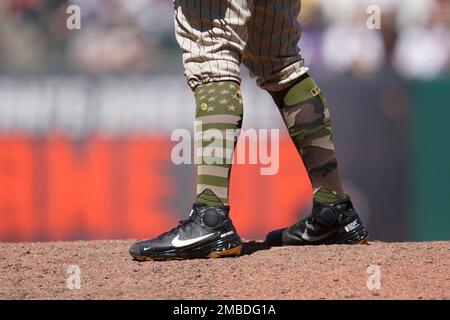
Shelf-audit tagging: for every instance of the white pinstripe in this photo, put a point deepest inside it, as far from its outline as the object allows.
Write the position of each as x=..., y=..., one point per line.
x=215, y=36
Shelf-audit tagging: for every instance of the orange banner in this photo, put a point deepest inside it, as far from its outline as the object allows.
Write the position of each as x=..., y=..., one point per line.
x=103, y=188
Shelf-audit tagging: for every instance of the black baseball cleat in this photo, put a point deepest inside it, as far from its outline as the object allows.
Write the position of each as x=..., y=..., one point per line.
x=329, y=223
x=207, y=233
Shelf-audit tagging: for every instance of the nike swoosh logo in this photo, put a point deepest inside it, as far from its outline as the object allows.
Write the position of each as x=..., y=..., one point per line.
x=146, y=248
x=177, y=243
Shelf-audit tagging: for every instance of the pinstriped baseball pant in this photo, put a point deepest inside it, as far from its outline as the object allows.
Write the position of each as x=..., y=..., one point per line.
x=216, y=36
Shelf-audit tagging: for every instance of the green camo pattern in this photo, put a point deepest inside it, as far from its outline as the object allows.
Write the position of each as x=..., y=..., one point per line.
x=305, y=112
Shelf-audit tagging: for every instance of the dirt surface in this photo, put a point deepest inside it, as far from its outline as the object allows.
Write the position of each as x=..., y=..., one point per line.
x=408, y=271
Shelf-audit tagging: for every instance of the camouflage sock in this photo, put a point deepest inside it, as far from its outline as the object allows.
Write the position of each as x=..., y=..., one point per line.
x=306, y=115
x=218, y=114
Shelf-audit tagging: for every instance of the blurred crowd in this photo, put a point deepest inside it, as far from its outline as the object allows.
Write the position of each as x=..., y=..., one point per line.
x=137, y=36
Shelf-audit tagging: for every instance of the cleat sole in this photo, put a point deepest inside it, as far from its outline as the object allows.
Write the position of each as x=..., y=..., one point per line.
x=233, y=252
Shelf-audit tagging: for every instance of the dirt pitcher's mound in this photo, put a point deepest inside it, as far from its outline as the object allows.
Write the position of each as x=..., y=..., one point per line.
x=374, y=271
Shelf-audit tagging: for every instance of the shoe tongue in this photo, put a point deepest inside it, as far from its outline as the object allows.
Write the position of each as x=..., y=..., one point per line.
x=323, y=194
x=208, y=197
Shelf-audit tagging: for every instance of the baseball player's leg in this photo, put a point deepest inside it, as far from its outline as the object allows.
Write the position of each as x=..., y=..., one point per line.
x=211, y=36
x=305, y=112
x=218, y=117
x=333, y=219
x=278, y=66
